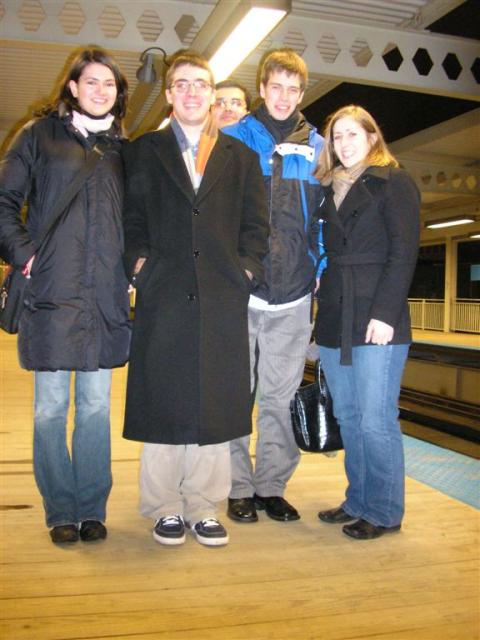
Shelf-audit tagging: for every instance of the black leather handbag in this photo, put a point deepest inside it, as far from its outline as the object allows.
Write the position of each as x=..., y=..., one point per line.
x=314, y=426
x=14, y=286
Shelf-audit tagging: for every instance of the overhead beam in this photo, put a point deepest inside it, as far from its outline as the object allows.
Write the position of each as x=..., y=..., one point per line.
x=428, y=14
x=338, y=51
x=431, y=12
x=443, y=178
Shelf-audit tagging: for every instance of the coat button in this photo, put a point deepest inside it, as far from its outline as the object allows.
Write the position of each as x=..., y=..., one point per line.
x=191, y=297
x=196, y=212
x=196, y=253
x=344, y=241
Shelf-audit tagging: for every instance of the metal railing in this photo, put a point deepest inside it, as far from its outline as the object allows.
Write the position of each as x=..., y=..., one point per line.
x=426, y=314
x=465, y=316
x=429, y=314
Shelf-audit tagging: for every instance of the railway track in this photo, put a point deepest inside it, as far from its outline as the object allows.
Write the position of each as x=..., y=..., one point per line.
x=437, y=381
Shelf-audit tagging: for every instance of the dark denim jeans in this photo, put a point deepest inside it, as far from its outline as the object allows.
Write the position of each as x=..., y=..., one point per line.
x=365, y=398
x=74, y=488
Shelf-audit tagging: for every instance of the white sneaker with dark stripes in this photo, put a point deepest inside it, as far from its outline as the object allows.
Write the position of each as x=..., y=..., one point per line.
x=210, y=532
x=170, y=530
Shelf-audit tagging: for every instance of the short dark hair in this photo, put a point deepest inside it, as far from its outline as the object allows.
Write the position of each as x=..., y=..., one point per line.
x=233, y=84
x=283, y=59
x=190, y=59
x=65, y=101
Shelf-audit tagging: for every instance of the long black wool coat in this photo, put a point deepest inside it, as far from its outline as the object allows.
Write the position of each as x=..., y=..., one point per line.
x=188, y=380
x=372, y=245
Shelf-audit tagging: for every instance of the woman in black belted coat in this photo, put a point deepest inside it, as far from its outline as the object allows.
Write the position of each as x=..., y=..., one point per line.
x=76, y=315
x=371, y=235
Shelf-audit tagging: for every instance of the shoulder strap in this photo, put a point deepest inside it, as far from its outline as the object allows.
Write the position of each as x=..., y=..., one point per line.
x=70, y=194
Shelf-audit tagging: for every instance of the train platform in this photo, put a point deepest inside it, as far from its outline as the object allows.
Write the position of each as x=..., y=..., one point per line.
x=274, y=581
x=447, y=339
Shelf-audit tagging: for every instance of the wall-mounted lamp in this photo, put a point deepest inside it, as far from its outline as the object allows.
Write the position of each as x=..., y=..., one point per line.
x=448, y=222
x=146, y=73
x=248, y=23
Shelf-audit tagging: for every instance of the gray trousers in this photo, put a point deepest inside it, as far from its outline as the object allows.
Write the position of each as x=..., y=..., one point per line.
x=187, y=480
x=278, y=345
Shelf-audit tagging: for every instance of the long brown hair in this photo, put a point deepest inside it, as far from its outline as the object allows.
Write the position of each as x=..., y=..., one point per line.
x=64, y=101
x=379, y=154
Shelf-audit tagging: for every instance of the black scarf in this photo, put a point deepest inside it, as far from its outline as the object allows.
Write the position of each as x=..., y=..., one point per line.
x=280, y=129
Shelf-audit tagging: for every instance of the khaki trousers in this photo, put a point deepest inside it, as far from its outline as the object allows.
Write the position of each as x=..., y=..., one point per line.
x=188, y=480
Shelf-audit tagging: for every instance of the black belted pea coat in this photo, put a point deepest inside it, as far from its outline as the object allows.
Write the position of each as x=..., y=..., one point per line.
x=371, y=244
x=188, y=380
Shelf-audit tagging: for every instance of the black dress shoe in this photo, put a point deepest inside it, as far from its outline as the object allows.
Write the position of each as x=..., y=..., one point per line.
x=64, y=533
x=335, y=516
x=242, y=510
x=276, y=508
x=91, y=530
x=363, y=530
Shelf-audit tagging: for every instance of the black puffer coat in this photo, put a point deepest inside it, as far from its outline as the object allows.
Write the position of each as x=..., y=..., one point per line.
x=77, y=303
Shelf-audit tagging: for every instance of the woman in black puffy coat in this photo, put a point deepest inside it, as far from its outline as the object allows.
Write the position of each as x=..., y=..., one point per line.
x=77, y=305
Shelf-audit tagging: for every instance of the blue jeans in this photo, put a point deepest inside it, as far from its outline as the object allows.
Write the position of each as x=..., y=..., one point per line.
x=74, y=488
x=365, y=402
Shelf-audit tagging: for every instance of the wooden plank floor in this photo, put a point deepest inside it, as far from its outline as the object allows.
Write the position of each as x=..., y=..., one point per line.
x=277, y=581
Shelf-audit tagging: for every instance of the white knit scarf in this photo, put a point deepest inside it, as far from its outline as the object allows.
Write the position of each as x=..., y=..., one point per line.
x=88, y=125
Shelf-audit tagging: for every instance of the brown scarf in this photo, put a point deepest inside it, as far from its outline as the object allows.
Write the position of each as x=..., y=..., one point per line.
x=208, y=138
x=343, y=179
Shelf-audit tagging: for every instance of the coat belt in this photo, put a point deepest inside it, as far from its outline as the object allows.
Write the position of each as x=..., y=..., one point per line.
x=347, y=262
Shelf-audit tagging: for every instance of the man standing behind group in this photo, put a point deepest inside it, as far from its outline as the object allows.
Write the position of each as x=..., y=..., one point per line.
x=196, y=234
x=232, y=102
x=279, y=310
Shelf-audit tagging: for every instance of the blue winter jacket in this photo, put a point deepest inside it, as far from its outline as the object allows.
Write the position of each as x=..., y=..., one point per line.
x=295, y=243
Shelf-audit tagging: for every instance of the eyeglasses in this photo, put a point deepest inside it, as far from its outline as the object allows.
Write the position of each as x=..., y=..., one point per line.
x=234, y=103
x=183, y=86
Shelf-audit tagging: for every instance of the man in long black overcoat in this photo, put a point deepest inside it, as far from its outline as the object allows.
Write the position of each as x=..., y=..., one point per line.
x=196, y=233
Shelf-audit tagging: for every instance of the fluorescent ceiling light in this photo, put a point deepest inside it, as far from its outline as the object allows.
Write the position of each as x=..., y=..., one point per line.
x=447, y=222
x=255, y=25
x=476, y=234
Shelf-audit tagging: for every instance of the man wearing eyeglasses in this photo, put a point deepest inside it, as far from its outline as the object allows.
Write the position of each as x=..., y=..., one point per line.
x=232, y=102
x=280, y=309
x=196, y=233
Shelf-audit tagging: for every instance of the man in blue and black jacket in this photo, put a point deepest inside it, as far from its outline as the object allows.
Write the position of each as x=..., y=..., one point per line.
x=279, y=310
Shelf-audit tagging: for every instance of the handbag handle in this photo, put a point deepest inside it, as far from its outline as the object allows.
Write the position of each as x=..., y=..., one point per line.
x=70, y=194
x=321, y=381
